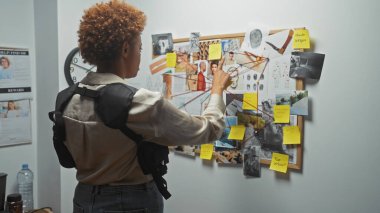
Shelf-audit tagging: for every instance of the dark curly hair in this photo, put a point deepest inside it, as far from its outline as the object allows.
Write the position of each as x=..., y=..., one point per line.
x=105, y=27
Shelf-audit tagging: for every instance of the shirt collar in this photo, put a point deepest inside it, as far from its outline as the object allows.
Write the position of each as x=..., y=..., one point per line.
x=94, y=78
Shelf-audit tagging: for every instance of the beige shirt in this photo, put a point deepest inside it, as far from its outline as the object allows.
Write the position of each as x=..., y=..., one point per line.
x=106, y=156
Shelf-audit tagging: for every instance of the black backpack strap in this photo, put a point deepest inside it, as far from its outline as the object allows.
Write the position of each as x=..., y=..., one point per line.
x=113, y=105
x=59, y=132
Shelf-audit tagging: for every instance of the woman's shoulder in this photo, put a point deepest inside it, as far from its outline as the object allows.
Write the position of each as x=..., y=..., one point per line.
x=147, y=96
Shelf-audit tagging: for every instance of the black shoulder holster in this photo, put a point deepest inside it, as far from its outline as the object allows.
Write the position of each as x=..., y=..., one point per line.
x=112, y=105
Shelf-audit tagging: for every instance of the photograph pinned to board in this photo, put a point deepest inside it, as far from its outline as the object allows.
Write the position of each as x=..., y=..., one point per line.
x=306, y=65
x=230, y=45
x=184, y=59
x=253, y=40
x=297, y=99
x=251, y=159
x=271, y=140
x=268, y=43
x=158, y=65
x=228, y=156
x=194, y=42
x=278, y=72
x=15, y=122
x=204, y=49
x=185, y=150
x=224, y=142
x=162, y=43
x=203, y=73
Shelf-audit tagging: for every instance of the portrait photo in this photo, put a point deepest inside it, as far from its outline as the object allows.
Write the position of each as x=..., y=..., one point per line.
x=162, y=43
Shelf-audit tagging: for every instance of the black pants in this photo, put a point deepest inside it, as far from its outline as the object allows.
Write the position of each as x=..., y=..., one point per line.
x=140, y=198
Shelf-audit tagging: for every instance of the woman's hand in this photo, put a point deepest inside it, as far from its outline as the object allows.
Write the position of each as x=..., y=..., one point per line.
x=221, y=81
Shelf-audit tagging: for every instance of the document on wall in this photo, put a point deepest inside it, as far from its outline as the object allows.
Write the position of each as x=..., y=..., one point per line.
x=15, y=74
x=15, y=122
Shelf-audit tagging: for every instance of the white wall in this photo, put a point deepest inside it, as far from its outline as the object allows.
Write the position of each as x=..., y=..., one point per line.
x=340, y=169
x=17, y=30
x=46, y=33
x=69, y=14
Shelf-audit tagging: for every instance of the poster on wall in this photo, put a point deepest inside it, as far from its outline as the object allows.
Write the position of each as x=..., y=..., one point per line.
x=15, y=74
x=15, y=122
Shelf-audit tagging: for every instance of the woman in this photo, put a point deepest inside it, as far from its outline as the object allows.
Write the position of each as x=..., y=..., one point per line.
x=109, y=176
x=5, y=72
x=12, y=110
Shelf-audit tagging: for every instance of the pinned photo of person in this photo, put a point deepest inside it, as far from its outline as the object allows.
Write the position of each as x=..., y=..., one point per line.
x=230, y=45
x=306, y=65
x=213, y=67
x=162, y=43
x=202, y=76
x=5, y=70
x=194, y=42
x=184, y=60
x=14, y=109
x=229, y=58
x=15, y=122
x=184, y=65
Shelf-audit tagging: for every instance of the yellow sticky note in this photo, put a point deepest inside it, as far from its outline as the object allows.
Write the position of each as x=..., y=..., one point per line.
x=214, y=51
x=301, y=39
x=291, y=134
x=171, y=59
x=206, y=151
x=281, y=113
x=237, y=132
x=279, y=162
x=250, y=101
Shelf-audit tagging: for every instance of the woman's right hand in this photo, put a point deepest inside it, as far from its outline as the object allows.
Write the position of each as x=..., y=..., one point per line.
x=221, y=81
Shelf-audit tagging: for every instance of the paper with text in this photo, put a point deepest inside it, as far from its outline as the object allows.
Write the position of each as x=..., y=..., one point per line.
x=301, y=39
x=279, y=162
x=281, y=113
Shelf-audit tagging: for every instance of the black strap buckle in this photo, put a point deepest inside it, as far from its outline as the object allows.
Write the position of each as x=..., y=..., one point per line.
x=86, y=92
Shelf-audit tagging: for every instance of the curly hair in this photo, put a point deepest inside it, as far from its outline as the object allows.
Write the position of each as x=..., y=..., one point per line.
x=105, y=27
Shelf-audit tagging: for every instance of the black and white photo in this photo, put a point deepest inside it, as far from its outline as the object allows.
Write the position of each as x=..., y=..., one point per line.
x=251, y=159
x=194, y=42
x=306, y=65
x=162, y=43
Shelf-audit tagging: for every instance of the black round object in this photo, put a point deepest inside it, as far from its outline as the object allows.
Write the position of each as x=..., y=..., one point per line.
x=13, y=197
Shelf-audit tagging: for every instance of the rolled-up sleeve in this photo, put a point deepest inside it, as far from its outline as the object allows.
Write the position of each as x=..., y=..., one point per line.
x=167, y=125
